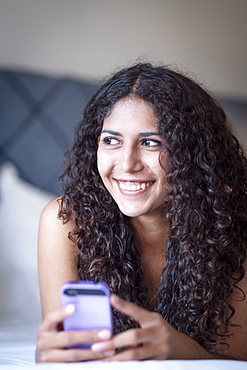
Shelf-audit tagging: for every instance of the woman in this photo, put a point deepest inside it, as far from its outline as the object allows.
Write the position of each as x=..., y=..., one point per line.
x=155, y=206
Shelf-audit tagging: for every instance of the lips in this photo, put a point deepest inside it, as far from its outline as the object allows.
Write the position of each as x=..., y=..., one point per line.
x=134, y=186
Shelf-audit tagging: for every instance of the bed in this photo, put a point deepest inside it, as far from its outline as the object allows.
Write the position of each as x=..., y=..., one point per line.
x=37, y=116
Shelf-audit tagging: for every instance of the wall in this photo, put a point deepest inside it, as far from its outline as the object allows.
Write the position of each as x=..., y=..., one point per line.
x=90, y=38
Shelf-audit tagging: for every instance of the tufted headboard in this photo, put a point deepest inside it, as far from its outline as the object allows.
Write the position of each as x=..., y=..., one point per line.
x=37, y=117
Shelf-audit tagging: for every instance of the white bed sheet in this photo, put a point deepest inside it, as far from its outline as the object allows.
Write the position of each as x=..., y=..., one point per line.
x=17, y=351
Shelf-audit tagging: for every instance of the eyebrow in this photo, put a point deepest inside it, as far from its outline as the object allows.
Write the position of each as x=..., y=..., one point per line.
x=142, y=134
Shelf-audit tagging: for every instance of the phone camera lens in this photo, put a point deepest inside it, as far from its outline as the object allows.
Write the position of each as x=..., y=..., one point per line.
x=71, y=292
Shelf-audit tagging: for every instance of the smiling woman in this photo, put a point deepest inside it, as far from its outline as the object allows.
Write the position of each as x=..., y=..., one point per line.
x=154, y=205
x=128, y=158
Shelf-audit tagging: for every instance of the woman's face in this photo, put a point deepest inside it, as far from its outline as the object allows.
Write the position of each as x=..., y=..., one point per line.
x=128, y=158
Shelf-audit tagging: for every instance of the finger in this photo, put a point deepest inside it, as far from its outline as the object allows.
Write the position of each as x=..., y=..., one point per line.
x=64, y=339
x=151, y=335
x=130, y=309
x=149, y=352
x=129, y=338
x=55, y=317
x=69, y=355
x=132, y=354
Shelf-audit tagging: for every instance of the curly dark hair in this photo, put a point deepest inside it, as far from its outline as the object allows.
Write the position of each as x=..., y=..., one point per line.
x=205, y=205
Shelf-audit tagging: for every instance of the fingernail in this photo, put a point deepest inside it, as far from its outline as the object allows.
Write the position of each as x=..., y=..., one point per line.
x=98, y=347
x=104, y=334
x=70, y=308
x=109, y=353
x=115, y=299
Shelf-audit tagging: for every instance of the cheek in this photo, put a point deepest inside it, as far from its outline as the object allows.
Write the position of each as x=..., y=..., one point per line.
x=99, y=162
x=104, y=168
x=155, y=165
x=104, y=163
x=160, y=174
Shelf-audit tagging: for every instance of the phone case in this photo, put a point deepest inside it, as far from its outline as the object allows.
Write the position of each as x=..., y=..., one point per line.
x=93, y=309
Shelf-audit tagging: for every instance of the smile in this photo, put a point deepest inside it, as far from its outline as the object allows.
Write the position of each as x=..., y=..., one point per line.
x=134, y=186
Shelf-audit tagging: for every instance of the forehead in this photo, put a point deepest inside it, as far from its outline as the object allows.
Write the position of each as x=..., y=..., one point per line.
x=131, y=112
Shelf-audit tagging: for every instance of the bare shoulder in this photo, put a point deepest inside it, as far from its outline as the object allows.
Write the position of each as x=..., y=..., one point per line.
x=57, y=255
x=51, y=210
x=52, y=207
x=238, y=339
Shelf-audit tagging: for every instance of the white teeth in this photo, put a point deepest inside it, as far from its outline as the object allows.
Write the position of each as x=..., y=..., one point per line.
x=132, y=187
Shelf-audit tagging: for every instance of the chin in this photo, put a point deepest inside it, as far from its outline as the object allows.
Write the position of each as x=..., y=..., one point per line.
x=130, y=212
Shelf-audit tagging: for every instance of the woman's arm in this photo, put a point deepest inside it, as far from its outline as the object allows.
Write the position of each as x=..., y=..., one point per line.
x=157, y=340
x=57, y=264
x=154, y=340
x=57, y=257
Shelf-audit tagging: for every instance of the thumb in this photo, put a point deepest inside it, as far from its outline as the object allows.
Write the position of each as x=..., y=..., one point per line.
x=132, y=310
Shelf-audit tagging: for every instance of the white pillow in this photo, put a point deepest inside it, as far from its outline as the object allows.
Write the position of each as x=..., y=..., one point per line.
x=20, y=207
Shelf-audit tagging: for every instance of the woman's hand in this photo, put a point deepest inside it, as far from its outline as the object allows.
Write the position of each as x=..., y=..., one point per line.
x=154, y=340
x=52, y=341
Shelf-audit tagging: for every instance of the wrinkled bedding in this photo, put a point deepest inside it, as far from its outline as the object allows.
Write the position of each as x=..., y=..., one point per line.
x=17, y=351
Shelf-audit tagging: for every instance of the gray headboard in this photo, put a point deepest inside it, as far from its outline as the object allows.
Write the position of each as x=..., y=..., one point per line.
x=37, y=117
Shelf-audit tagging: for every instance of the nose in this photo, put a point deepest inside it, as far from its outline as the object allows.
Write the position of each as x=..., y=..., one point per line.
x=130, y=160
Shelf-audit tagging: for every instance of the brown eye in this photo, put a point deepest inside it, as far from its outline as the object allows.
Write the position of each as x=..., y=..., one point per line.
x=151, y=143
x=110, y=140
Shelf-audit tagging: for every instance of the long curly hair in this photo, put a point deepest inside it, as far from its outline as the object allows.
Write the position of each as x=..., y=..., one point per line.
x=206, y=177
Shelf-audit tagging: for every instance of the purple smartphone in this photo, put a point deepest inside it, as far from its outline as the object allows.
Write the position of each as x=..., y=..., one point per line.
x=93, y=309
